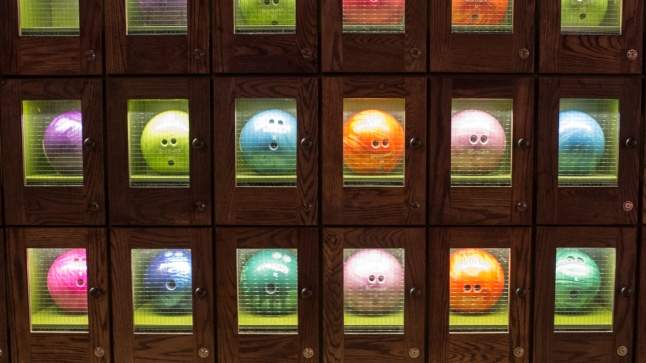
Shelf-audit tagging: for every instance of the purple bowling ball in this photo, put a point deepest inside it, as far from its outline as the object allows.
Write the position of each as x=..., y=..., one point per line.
x=63, y=143
x=163, y=12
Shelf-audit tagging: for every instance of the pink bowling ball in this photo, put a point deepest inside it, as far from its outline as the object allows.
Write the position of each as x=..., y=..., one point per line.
x=477, y=142
x=67, y=281
x=373, y=282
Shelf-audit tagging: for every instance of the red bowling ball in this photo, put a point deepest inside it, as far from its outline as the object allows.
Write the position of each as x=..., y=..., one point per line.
x=373, y=12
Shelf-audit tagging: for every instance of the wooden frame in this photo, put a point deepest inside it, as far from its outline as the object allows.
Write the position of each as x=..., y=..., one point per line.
x=378, y=348
x=513, y=345
x=588, y=205
x=481, y=205
x=640, y=326
x=267, y=347
x=157, y=54
x=154, y=206
x=358, y=205
x=197, y=346
x=575, y=53
x=249, y=205
x=575, y=347
x=511, y=52
x=4, y=318
x=53, y=55
x=37, y=347
x=374, y=52
x=39, y=205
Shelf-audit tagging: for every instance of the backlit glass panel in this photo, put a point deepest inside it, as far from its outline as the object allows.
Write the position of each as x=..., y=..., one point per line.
x=591, y=16
x=482, y=16
x=265, y=16
x=48, y=17
x=373, y=16
x=151, y=17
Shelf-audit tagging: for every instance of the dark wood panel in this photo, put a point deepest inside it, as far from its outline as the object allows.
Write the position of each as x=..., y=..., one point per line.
x=4, y=318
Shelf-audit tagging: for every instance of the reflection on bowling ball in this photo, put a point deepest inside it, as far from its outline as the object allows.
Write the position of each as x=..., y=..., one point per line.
x=373, y=12
x=281, y=13
x=164, y=143
x=269, y=283
x=168, y=281
x=477, y=281
x=268, y=142
x=373, y=142
x=577, y=281
x=581, y=143
x=479, y=12
x=477, y=142
x=373, y=282
x=583, y=13
x=67, y=281
x=63, y=142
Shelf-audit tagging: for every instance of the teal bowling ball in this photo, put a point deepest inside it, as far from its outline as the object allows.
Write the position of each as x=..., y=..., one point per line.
x=267, y=13
x=269, y=283
x=164, y=143
x=268, y=142
x=578, y=280
x=583, y=13
x=581, y=143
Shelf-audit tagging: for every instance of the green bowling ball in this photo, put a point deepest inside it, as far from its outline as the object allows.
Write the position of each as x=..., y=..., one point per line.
x=269, y=283
x=577, y=281
x=583, y=13
x=269, y=13
x=164, y=143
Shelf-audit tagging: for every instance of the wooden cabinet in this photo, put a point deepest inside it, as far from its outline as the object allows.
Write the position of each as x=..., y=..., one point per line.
x=160, y=151
x=374, y=297
x=481, y=164
x=268, y=295
x=4, y=325
x=588, y=154
x=374, y=150
x=52, y=136
x=584, y=311
x=480, y=294
x=266, y=154
x=58, y=284
x=163, y=294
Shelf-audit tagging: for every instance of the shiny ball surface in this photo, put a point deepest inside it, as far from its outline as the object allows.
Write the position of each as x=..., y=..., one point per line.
x=67, y=281
x=373, y=12
x=168, y=281
x=581, y=143
x=477, y=281
x=578, y=280
x=267, y=13
x=478, y=142
x=63, y=142
x=583, y=13
x=268, y=142
x=269, y=283
x=478, y=12
x=164, y=143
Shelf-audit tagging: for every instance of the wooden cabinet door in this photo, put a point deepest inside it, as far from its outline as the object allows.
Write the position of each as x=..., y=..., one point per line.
x=480, y=294
x=584, y=307
x=58, y=283
x=163, y=294
x=268, y=295
x=266, y=155
x=481, y=150
x=374, y=297
x=52, y=133
x=159, y=151
x=4, y=318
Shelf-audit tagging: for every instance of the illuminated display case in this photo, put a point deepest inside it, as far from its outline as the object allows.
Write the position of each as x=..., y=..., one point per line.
x=266, y=154
x=56, y=129
x=159, y=138
x=268, y=294
x=587, y=279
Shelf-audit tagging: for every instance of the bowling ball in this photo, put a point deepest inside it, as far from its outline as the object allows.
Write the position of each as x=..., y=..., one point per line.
x=164, y=143
x=163, y=12
x=477, y=281
x=373, y=282
x=478, y=12
x=477, y=142
x=577, y=281
x=268, y=142
x=373, y=142
x=67, y=281
x=581, y=143
x=583, y=13
x=63, y=142
x=267, y=13
x=269, y=283
x=373, y=12
x=168, y=281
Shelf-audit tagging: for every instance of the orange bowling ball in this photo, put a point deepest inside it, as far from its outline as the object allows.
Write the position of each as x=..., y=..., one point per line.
x=478, y=12
x=477, y=281
x=373, y=142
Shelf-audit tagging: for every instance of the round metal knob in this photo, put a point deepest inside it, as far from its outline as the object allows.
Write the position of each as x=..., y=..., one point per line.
x=203, y=352
x=523, y=143
x=414, y=352
x=415, y=52
x=523, y=53
x=632, y=54
x=307, y=53
x=627, y=206
x=198, y=53
x=306, y=293
x=521, y=206
x=622, y=351
x=96, y=292
x=93, y=206
x=308, y=353
x=200, y=206
x=90, y=55
x=626, y=291
x=99, y=352
x=520, y=292
x=200, y=292
x=631, y=142
x=307, y=205
x=1, y=353
x=415, y=142
x=414, y=204
x=415, y=292
x=89, y=143
x=307, y=142
x=198, y=143
x=519, y=352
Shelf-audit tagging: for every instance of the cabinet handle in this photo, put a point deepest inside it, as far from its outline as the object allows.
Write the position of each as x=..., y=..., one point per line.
x=523, y=143
x=520, y=292
x=415, y=292
x=198, y=143
x=307, y=142
x=200, y=292
x=89, y=143
x=306, y=293
x=626, y=291
x=631, y=142
x=415, y=142
x=96, y=292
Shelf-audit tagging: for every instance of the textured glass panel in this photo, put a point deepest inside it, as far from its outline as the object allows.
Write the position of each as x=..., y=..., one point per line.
x=267, y=291
x=584, y=289
x=373, y=291
x=158, y=146
x=373, y=16
x=479, y=290
x=162, y=290
x=265, y=134
x=482, y=16
x=373, y=142
x=52, y=143
x=481, y=149
x=265, y=16
x=48, y=17
x=150, y=17
x=58, y=285
x=588, y=142
x=591, y=16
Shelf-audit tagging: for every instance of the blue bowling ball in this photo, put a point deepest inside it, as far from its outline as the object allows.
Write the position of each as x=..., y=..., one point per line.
x=581, y=143
x=168, y=281
x=268, y=142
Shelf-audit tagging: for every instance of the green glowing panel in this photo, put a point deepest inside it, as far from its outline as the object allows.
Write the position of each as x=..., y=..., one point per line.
x=483, y=16
x=156, y=17
x=49, y=17
x=265, y=16
x=591, y=17
x=374, y=16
